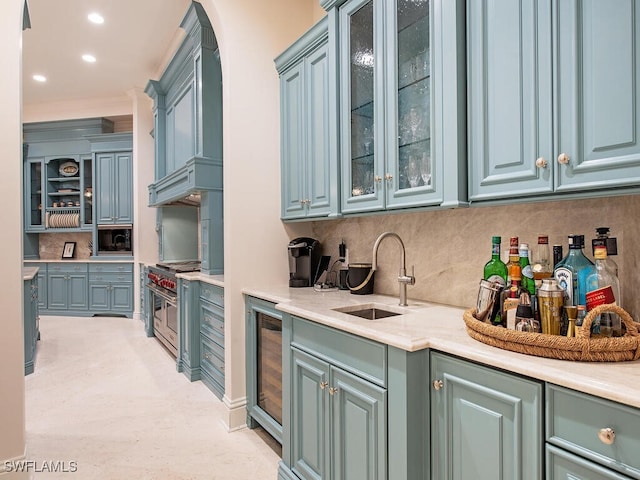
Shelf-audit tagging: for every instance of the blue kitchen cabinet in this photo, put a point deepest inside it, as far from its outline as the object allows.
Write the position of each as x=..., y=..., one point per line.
x=67, y=287
x=188, y=361
x=114, y=188
x=41, y=279
x=208, y=355
x=486, y=424
x=554, y=98
x=590, y=437
x=401, y=103
x=343, y=397
x=31, y=324
x=111, y=288
x=309, y=169
x=34, y=186
x=339, y=422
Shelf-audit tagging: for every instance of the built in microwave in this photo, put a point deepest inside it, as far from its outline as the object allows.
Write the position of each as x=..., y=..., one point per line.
x=115, y=240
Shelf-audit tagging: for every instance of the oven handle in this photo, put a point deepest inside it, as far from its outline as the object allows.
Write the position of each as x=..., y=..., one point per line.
x=173, y=299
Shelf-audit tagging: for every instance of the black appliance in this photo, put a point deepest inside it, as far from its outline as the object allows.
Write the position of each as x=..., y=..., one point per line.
x=115, y=240
x=304, y=256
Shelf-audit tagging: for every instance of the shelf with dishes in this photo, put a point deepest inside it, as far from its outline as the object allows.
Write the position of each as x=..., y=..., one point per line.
x=62, y=217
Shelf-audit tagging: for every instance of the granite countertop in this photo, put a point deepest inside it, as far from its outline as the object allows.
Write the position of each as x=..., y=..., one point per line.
x=29, y=272
x=441, y=327
x=217, y=280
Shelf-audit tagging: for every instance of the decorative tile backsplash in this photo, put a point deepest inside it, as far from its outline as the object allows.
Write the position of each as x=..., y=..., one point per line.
x=450, y=247
x=51, y=245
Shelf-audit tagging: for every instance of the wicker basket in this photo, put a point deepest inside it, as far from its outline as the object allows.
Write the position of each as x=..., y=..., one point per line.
x=580, y=348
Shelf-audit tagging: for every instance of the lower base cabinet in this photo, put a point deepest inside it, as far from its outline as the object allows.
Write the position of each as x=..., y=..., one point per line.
x=339, y=422
x=352, y=408
x=562, y=465
x=486, y=424
x=31, y=324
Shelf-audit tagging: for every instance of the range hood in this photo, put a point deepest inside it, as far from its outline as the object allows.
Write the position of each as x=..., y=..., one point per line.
x=183, y=186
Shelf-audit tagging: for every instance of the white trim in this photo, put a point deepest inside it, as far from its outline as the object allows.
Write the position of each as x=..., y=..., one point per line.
x=14, y=475
x=236, y=418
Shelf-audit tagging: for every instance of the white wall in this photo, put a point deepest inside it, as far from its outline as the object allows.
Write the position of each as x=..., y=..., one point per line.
x=12, y=436
x=250, y=35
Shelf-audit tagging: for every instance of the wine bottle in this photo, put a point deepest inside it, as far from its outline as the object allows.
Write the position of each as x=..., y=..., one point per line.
x=495, y=269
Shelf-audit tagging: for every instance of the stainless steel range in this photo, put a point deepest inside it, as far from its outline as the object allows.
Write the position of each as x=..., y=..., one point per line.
x=163, y=294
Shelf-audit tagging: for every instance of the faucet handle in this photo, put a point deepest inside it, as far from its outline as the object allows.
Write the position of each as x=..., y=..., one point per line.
x=413, y=275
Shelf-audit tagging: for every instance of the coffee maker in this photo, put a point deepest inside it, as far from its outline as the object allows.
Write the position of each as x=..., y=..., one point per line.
x=304, y=256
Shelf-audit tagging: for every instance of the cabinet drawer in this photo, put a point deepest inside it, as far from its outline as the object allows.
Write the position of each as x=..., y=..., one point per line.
x=67, y=268
x=575, y=419
x=111, y=268
x=110, y=277
x=561, y=464
x=358, y=355
x=212, y=359
x=212, y=293
x=212, y=322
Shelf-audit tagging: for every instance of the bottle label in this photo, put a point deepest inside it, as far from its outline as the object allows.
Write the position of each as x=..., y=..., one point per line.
x=565, y=279
x=527, y=271
x=497, y=279
x=601, y=296
x=495, y=249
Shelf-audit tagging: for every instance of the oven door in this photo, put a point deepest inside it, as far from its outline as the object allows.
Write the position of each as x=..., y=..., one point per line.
x=165, y=318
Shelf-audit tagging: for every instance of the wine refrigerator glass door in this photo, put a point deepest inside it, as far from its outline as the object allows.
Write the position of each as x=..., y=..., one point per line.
x=270, y=365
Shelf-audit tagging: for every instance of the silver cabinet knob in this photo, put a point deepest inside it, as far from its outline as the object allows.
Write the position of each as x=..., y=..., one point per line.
x=607, y=436
x=333, y=390
x=323, y=385
x=438, y=384
x=541, y=163
x=388, y=176
x=563, y=159
x=377, y=178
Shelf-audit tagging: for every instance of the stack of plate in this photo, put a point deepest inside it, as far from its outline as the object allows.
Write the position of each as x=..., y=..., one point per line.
x=64, y=220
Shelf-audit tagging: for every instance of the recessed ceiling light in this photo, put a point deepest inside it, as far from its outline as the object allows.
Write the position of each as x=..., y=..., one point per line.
x=88, y=58
x=96, y=18
x=39, y=78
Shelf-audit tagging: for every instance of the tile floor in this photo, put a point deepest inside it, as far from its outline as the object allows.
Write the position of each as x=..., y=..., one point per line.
x=105, y=396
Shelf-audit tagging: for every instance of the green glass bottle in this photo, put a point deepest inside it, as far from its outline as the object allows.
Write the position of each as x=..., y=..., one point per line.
x=528, y=282
x=495, y=269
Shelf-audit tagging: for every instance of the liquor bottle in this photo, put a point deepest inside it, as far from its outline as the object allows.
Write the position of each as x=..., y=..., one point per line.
x=514, y=257
x=541, y=261
x=571, y=271
x=602, y=287
x=495, y=269
x=602, y=238
x=557, y=255
x=513, y=296
x=528, y=283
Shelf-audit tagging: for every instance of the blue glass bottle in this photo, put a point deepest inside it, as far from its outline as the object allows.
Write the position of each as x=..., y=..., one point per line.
x=572, y=271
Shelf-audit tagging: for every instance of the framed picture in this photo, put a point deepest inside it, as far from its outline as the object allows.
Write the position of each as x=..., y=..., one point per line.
x=69, y=250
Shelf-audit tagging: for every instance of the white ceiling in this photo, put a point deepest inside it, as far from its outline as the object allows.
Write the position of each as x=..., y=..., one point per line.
x=131, y=46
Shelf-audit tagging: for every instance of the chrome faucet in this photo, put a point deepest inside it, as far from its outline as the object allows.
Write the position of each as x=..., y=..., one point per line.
x=403, y=278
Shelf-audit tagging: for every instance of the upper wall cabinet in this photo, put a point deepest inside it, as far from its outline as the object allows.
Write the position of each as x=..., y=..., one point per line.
x=554, y=97
x=188, y=115
x=309, y=159
x=58, y=174
x=402, y=134
x=113, y=166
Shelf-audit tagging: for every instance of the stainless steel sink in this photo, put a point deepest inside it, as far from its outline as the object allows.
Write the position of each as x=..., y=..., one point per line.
x=371, y=311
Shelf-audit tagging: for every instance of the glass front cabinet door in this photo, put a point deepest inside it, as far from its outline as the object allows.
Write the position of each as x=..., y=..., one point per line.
x=392, y=103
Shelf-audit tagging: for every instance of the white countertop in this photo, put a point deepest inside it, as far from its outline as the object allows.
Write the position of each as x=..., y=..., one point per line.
x=441, y=327
x=82, y=260
x=203, y=277
x=29, y=272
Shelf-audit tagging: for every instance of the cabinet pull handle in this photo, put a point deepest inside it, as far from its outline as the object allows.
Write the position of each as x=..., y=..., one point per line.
x=388, y=176
x=563, y=159
x=541, y=163
x=333, y=390
x=438, y=384
x=607, y=436
x=323, y=385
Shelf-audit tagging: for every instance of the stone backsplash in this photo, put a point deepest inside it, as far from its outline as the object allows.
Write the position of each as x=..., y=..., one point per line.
x=450, y=247
x=52, y=244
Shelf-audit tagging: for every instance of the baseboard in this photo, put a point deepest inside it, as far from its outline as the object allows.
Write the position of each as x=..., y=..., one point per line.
x=236, y=413
x=15, y=469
